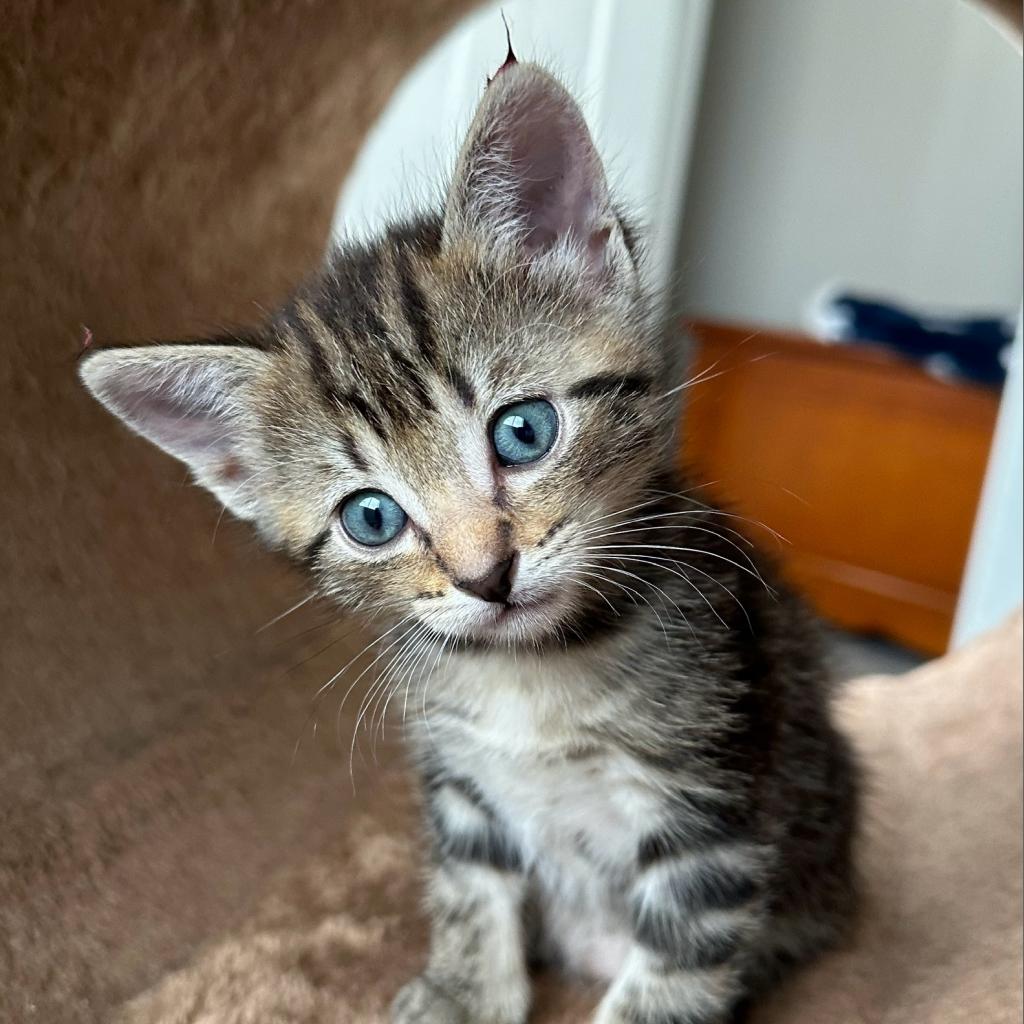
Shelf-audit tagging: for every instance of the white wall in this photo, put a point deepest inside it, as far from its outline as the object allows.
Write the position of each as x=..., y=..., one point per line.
x=994, y=578
x=874, y=141
x=635, y=66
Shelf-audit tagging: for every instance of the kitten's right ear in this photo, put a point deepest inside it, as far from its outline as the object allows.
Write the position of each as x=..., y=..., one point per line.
x=193, y=401
x=529, y=179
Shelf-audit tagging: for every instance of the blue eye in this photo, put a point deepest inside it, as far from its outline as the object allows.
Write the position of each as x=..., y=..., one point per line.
x=372, y=518
x=524, y=432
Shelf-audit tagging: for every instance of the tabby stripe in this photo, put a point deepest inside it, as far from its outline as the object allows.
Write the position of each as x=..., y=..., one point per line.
x=461, y=385
x=415, y=309
x=711, y=1015
x=365, y=317
x=608, y=385
x=488, y=847
x=689, y=942
x=319, y=367
x=466, y=829
x=720, y=880
x=355, y=456
x=712, y=820
x=415, y=379
x=701, y=820
x=312, y=550
x=695, y=910
x=369, y=322
x=357, y=403
x=552, y=530
x=659, y=846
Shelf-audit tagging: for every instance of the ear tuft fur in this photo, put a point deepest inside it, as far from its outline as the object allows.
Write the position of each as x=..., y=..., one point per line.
x=510, y=56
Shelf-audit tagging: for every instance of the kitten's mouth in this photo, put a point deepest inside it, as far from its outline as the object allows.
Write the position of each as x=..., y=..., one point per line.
x=526, y=618
x=519, y=616
x=519, y=607
x=534, y=618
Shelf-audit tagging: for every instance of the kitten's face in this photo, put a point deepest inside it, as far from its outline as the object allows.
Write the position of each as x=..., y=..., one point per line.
x=442, y=425
x=484, y=468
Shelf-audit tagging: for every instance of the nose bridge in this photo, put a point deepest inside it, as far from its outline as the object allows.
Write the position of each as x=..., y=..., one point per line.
x=469, y=535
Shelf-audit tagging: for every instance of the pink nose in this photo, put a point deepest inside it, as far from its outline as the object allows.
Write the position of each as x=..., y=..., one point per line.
x=495, y=585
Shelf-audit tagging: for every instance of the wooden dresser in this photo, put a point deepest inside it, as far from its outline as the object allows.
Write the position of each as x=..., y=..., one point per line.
x=869, y=467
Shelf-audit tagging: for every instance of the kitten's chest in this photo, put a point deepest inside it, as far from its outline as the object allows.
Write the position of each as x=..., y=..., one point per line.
x=589, y=806
x=549, y=770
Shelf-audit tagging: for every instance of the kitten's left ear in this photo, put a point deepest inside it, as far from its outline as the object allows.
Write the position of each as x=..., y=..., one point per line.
x=529, y=178
x=193, y=401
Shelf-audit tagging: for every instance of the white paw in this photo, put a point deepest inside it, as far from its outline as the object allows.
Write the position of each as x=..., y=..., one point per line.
x=423, y=1002
x=426, y=1001
x=608, y=1014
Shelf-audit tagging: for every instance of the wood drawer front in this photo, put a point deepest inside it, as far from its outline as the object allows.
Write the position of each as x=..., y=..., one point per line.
x=868, y=466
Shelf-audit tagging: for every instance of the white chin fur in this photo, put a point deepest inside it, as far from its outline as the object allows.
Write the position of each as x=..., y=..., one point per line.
x=530, y=618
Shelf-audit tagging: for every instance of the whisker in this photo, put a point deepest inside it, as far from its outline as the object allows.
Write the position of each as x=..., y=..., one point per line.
x=277, y=618
x=398, y=670
x=406, y=640
x=642, y=504
x=373, y=643
x=699, y=378
x=425, y=683
x=650, y=560
x=654, y=586
x=633, y=575
x=695, y=529
x=618, y=527
x=424, y=675
x=694, y=551
x=665, y=563
x=604, y=597
x=414, y=660
x=717, y=582
x=711, y=510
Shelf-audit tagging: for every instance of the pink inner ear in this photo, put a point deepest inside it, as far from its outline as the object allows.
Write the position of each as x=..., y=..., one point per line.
x=535, y=161
x=181, y=420
x=553, y=174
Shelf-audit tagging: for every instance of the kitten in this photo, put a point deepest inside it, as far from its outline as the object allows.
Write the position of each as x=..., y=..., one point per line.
x=623, y=735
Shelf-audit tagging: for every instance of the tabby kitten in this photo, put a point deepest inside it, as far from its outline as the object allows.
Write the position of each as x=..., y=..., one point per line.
x=623, y=734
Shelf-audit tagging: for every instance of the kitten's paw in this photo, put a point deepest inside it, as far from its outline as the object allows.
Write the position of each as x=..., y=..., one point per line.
x=618, y=1013
x=422, y=1001
x=427, y=1001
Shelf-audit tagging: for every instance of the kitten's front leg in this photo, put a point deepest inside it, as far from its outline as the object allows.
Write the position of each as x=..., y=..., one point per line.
x=476, y=973
x=696, y=915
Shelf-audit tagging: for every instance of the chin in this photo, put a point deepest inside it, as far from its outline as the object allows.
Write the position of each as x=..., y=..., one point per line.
x=527, y=621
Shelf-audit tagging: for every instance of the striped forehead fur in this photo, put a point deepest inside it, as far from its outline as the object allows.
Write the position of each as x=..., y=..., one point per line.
x=388, y=326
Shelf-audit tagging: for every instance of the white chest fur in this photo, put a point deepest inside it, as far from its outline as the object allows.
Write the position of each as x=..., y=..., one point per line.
x=533, y=741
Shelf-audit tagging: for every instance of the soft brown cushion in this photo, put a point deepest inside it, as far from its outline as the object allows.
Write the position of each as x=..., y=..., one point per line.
x=939, y=943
